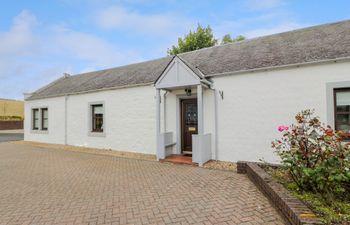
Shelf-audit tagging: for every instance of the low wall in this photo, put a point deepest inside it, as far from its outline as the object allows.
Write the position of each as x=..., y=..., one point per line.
x=293, y=210
x=201, y=148
x=11, y=125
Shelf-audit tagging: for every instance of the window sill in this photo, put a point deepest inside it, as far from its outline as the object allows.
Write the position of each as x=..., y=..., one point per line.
x=39, y=131
x=97, y=134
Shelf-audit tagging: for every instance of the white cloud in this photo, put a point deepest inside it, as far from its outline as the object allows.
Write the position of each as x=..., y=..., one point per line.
x=117, y=17
x=90, y=48
x=264, y=4
x=19, y=38
x=33, y=54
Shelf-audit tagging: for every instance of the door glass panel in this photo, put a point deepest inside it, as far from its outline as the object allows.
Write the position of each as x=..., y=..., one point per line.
x=191, y=114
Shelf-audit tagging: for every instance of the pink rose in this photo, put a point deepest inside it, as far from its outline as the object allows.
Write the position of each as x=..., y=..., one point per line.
x=282, y=128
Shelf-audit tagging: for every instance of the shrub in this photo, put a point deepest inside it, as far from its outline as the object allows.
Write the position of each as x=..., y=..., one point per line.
x=315, y=155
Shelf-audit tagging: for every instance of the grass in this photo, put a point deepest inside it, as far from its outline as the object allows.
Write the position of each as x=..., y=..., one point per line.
x=336, y=213
x=6, y=118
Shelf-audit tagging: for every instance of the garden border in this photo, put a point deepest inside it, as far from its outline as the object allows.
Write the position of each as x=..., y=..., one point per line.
x=294, y=210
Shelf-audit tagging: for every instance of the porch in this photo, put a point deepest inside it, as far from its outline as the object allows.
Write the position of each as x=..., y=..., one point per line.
x=181, y=95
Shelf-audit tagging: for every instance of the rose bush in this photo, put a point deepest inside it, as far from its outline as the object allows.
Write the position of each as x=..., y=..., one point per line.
x=315, y=155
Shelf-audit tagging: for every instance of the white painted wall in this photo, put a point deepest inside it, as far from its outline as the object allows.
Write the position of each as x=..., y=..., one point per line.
x=129, y=120
x=209, y=117
x=255, y=104
x=55, y=133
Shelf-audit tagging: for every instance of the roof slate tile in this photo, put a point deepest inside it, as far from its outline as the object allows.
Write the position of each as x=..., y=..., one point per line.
x=329, y=41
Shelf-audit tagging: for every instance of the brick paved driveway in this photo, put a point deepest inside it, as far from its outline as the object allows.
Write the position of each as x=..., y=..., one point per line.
x=45, y=186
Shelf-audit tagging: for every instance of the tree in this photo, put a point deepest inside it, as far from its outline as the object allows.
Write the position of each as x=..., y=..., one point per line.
x=228, y=39
x=201, y=38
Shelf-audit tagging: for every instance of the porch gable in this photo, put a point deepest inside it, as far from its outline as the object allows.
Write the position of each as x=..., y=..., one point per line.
x=177, y=74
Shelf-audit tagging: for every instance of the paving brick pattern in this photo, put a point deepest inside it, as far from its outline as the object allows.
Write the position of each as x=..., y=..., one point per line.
x=46, y=186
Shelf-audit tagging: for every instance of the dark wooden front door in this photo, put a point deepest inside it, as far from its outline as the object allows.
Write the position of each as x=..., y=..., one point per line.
x=189, y=123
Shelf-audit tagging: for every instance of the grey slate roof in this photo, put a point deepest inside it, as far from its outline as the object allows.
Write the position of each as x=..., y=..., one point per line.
x=329, y=41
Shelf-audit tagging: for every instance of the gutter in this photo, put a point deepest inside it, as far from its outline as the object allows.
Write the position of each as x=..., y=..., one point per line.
x=297, y=65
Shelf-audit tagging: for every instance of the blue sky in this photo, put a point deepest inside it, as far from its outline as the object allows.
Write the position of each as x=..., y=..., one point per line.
x=40, y=39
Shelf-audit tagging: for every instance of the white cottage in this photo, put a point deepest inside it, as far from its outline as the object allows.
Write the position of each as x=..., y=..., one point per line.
x=223, y=102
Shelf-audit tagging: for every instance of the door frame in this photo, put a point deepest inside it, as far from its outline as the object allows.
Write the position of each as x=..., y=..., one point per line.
x=179, y=98
x=182, y=122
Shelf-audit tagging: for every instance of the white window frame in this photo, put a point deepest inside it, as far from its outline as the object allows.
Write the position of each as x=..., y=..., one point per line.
x=42, y=118
x=93, y=133
x=330, y=99
x=40, y=128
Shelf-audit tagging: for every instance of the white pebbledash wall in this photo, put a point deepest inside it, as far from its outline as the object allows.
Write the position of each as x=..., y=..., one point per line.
x=253, y=105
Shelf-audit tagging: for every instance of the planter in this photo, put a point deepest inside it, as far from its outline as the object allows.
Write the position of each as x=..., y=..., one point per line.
x=294, y=210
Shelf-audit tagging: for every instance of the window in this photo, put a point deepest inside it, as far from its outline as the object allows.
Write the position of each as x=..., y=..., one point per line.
x=35, y=123
x=44, y=119
x=40, y=119
x=342, y=111
x=97, y=118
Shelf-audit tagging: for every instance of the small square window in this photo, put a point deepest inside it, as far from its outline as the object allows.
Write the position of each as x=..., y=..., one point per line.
x=97, y=118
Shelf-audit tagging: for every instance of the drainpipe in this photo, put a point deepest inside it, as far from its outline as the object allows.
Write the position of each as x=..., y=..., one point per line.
x=65, y=119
